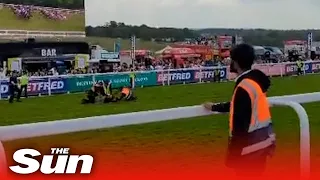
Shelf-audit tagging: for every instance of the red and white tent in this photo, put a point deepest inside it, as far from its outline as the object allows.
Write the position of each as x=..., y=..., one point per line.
x=162, y=50
x=180, y=53
x=141, y=52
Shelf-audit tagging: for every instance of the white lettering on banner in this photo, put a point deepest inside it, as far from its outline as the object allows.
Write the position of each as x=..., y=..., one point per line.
x=293, y=68
x=121, y=80
x=38, y=86
x=174, y=76
x=84, y=83
x=141, y=79
x=315, y=66
x=161, y=77
x=65, y=163
x=179, y=76
x=4, y=89
x=48, y=52
x=208, y=74
x=222, y=73
x=204, y=74
x=124, y=80
x=306, y=67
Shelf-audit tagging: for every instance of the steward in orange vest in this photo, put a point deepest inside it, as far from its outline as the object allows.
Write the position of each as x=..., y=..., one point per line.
x=126, y=94
x=251, y=137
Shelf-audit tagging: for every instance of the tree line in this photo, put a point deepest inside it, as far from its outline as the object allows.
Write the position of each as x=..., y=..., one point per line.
x=68, y=4
x=121, y=30
x=265, y=37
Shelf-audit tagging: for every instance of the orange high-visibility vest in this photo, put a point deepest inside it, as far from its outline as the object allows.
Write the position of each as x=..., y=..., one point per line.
x=125, y=91
x=260, y=133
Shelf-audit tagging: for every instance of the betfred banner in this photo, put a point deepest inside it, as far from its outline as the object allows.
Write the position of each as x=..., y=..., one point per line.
x=291, y=69
x=39, y=86
x=175, y=77
x=208, y=75
x=315, y=67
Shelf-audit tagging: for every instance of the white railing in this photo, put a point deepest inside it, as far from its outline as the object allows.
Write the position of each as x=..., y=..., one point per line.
x=4, y=33
x=14, y=132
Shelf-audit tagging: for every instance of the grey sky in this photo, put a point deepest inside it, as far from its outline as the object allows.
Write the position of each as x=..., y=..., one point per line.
x=269, y=14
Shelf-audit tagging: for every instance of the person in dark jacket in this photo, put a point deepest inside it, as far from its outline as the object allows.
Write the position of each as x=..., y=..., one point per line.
x=250, y=120
x=14, y=87
x=100, y=89
x=126, y=94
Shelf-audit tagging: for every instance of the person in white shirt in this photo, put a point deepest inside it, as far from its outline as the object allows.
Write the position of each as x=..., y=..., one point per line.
x=159, y=67
x=53, y=71
x=3, y=73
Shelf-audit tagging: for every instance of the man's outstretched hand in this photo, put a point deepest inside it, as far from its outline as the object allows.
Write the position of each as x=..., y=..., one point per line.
x=208, y=106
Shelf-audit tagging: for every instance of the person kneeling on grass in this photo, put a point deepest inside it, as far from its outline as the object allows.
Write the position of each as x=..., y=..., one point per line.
x=92, y=94
x=99, y=92
x=107, y=92
x=108, y=96
x=126, y=94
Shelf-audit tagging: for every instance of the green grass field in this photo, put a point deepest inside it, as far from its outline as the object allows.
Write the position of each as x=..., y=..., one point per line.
x=200, y=135
x=8, y=20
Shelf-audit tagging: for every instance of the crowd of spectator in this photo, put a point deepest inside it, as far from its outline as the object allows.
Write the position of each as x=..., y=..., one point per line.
x=22, y=11
x=53, y=14
x=157, y=64
x=26, y=11
x=124, y=67
x=162, y=64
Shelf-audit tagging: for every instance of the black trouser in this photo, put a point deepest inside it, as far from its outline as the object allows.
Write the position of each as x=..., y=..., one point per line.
x=127, y=98
x=12, y=90
x=91, y=98
x=132, y=82
x=251, y=166
x=299, y=71
x=24, y=88
x=216, y=77
x=109, y=99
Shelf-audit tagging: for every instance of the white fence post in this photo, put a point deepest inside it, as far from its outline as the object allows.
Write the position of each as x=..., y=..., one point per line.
x=93, y=79
x=200, y=75
x=168, y=77
x=3, y=159
x=49, y=86
x=304, y=135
